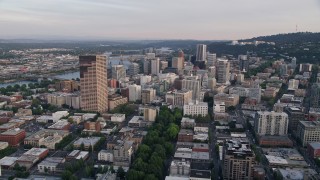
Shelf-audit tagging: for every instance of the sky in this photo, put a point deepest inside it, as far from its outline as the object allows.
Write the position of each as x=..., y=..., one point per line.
x=155, y=19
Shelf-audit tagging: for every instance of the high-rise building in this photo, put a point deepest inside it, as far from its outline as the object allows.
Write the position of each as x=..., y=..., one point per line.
x=201, y=52
x=155, y=66
x=222, y=71
x=271, y=123
x=148, y=95
x=293, y=63
x=238, y=159
x=243, y=62
x=211, y=59
x=306, y=67
x=146, y=66
x=93, y=83
x=193, y=85
x=212, y=71
x=295, y=115
x=179, y=98
x=308, y=132
x=315, y=95
x=150, y=55
x=134, y=69
x=145, y=79
x=178, y=62
x=118, y=72
x=134, y=92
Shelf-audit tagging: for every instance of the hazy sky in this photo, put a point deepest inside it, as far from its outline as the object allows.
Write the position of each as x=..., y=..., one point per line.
x=156, y=19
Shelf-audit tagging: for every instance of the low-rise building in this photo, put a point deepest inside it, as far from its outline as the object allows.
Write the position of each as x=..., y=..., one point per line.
x=187, y=123
x=122, y=153
x=117, y=118
x=179, y=168
x=31, y=157
x=115, y=101
x=228, y=99
x=60, y=125
x=88, y=142
x=3, y=145
x=13, y=136
x=275, y=141
x=92, y=126
x=50, y=164
x=185, y=135
x=46, y=137
x=313, y=149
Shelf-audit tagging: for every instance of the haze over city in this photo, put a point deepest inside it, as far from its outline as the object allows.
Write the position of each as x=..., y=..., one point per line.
x=150, y=19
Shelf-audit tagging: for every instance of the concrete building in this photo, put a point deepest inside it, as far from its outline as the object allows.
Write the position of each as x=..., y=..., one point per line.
x=179, y=98
x=122, y=154
x=295, y=115
x=308, y=132
x=134, y=69
x=293, y=84
x=219, y=107
x=92, y=126
x=243, y=63
x=271, y=123
x=134, y=93
x=200, y=108
x=13, y=136
x=116, y=100
x=118, y=72
x=228, y=99
x=51, y=164
x=185, y=135
x=144, y=79
x=93, y=81
x=149, y=114
x=238, y=159
x=211, y=59
x=305, y=67
x=155, y=66
x=46, y=137
x=60, y=125
x=163, y=65
x=148, y=95
x=201, y=52
x=252, y=93
x=118, y=118
x=187, y=123
x=179, y=168
x=105, y=155
x=192, y=85
x=223, y=71
x=67, y=86
x=178, y=63
x=88, y=142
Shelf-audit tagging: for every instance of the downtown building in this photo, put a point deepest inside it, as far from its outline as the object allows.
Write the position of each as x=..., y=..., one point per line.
x=238, y=159
x=271, y=123
x=118, y=72
x=93, y=81
x=308, y=132
x=179, y=98
x=222, y=71
x=200, y=108
x=201, y=52
x=193, y=85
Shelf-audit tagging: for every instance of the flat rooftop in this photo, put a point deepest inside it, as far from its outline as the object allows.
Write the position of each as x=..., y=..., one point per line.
x=12, y=132
x=35, y=151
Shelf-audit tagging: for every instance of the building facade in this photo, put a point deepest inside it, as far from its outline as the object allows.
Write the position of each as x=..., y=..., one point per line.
x=271, y=123
x=93, y=82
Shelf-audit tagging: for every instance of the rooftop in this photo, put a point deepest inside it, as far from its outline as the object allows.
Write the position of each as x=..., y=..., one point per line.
x=12, y=132
x=87, y=141
x=35, y=151
x=8, y=161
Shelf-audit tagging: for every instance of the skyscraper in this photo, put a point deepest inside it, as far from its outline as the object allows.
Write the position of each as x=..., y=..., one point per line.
x=222, y=70
x=155, y=66
x=93, y=83
x=211, y=59
x=193, y=85
x=134, y=69
x=243, y=62
x=201, y=52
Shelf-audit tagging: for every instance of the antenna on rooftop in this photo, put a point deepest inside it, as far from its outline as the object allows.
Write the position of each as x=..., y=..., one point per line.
x=296, y=28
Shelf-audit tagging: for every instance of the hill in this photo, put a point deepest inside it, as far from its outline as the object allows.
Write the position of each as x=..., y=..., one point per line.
x=299, y=37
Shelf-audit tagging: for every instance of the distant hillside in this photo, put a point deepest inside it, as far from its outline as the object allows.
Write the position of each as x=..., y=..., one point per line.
x=299, y=37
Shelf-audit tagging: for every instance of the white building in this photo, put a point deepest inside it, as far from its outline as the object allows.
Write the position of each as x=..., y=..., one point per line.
x=196, y=109
x=254, y=93
x=223, y=71
x=118, y=118
x=50, y=164
x=293, y=84
x=219, y=107
x=105, y=155
x=58, y=115
x=145, y=79
x=193, y=85
x=271, y=123
x=134, y=92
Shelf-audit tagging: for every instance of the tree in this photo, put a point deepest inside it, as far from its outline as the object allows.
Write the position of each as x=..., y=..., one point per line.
x=150, y=177
x=135, y=175
x=172, y=131
x=111, y=169
x=120, y=173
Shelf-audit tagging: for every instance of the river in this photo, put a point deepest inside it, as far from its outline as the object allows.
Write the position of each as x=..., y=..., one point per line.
x=69, y=75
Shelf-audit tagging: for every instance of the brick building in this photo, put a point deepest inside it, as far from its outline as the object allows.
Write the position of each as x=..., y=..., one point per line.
x=13, y=136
